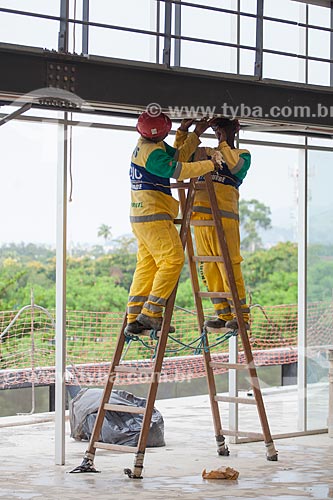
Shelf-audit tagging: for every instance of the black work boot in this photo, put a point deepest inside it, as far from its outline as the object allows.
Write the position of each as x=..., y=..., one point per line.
x=150, y=323
x=233, y=324
x=134, y=328
x=215, y=323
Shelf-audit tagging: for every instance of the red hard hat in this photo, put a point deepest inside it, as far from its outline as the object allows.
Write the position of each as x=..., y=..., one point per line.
x=151, y=127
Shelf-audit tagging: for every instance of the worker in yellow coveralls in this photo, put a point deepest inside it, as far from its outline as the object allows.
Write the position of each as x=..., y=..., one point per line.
x=227, y=179
x=160, y=256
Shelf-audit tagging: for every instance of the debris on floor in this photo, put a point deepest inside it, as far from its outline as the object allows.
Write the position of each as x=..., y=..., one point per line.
x=221, y=473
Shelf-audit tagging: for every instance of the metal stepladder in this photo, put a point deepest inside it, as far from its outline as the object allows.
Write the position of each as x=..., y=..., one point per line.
x=186, y=204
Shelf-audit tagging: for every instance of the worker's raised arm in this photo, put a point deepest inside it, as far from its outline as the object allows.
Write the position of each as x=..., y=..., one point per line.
x=182, y=133
x=186, y=143
x=237, y=160
x=163, y=164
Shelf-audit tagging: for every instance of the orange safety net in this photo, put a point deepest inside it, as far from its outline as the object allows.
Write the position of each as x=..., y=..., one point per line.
x=27, y=348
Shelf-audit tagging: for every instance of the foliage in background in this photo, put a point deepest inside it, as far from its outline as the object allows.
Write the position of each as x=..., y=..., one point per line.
x=253, y=216
x=100, y=281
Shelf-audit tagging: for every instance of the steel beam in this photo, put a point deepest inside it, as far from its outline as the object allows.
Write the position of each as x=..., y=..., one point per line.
x=105, y=82
x=15, y=114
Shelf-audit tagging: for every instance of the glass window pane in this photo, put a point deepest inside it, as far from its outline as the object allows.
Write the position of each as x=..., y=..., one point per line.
x=319, y=43
x=283, y=9
x=209, y=25
x=248, y=28
x=319, y=73
x=208, y=57
x=284, y=37
x=31, y=31
x=29, y=200
x=320, y=285
x=283, y=68
x=319, y=16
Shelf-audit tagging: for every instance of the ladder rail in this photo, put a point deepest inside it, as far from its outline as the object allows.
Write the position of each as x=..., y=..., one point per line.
x=91, y=450
x=238, y=311
x=184, y=230
x=201, y=318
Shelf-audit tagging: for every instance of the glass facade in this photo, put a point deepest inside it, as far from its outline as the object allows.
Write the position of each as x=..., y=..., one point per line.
x=218, y=36
x=319, y=333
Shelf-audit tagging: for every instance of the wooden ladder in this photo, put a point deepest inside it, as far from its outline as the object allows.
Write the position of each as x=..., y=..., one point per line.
x=186, y=204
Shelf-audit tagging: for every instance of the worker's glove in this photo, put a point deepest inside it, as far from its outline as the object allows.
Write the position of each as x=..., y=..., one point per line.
x=217, y=159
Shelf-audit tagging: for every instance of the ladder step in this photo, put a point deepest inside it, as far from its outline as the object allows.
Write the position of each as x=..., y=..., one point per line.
x=179, y=185
x=212, y=295
x=132, y=369
x=115, y=447
x=205, y=222
x=230, y=366
x=124, y=408
x=254, y=435
x=194, y=222
x=230, y=399
x=207, y=258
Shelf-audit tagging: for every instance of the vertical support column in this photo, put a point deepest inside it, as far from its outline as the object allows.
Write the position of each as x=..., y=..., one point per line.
x=167, y=33
x=307, y=44
x=233, y=388
x=258, y=70
x=61, y=293
x=331, y=49
x=85, y=27
x=154, y=42
x=234, y=36
x=178, y=32
x=302, y=288
x=60, y=330
x=238, y=36
x=330, y=394
x=63, y=30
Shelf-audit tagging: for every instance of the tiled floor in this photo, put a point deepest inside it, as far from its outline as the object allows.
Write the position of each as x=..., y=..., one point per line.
x=304, y=469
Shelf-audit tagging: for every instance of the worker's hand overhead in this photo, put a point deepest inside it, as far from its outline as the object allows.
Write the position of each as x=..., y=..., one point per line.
x=185, y=124
x=202, y=126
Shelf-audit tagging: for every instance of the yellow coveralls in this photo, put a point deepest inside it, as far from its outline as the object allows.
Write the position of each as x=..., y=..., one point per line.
x=160, y=256
x=227, y=179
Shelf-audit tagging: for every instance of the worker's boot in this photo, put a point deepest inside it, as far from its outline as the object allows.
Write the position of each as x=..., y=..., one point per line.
x=134, y=328
x=232, y=324
x=151, y=323
x=215, y=323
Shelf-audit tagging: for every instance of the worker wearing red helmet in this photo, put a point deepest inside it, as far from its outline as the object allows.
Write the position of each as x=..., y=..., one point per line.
x=160, y=255
x=227, y=180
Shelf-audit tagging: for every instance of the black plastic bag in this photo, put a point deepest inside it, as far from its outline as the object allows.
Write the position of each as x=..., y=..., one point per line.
x=118, y=427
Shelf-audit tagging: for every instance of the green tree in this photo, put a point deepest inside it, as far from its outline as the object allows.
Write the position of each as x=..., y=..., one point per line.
x=104, y=231
x=254, y=215
x=271, y=275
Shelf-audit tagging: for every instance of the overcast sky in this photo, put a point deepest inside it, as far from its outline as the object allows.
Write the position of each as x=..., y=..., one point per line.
x=101, y=158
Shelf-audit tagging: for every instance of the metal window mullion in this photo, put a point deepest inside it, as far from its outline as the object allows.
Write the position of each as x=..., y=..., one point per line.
x=331, y=46
x=60, y=335
x=233, y=388
x=158, y=23
x=238, y=36
x=178, y=32
x=307, y=44
x=63, y=28
x=302, y=289
x=258, y=70
x=85, y=27
x=167, y=33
